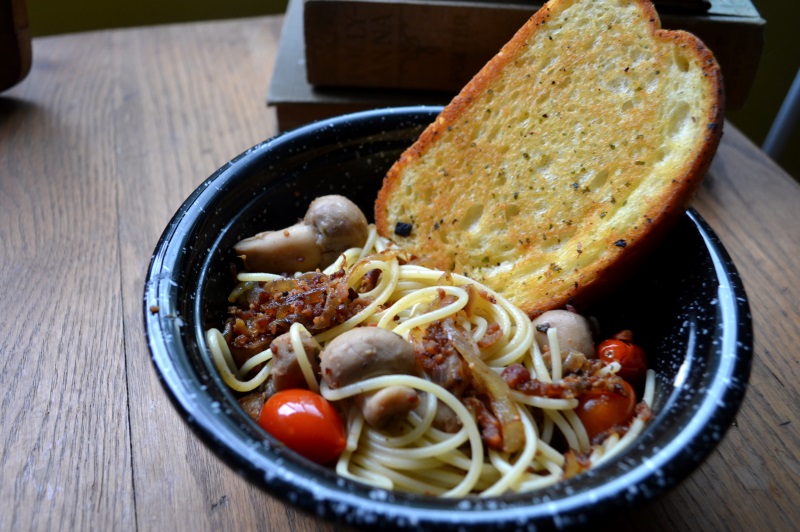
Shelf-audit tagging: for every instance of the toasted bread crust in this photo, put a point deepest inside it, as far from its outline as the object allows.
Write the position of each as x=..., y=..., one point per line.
x=551, y=216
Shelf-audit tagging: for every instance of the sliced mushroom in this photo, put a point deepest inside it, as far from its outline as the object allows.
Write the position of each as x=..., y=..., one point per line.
x=366, y=352
x=331, y=225
x=285, y=371
x=573, y=331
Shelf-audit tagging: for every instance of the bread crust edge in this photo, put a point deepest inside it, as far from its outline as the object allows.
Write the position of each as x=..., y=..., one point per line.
x=620, y=264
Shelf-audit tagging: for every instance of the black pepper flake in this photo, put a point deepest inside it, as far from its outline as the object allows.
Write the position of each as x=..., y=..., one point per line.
x=575, y=186
x=620, y=243
x=402, y=229
x=436, y=226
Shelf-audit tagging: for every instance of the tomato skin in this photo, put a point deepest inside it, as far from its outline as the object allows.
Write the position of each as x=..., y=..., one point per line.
x=306, y=423
x=601, y=410
x=630, y=357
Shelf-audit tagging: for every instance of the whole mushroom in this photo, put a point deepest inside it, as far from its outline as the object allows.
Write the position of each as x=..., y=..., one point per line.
x=339, y=225
x=574, y=332
x=366, y=352
x=332, y=224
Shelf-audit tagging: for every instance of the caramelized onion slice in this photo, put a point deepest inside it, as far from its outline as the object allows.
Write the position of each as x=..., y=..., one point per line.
x=492, y=385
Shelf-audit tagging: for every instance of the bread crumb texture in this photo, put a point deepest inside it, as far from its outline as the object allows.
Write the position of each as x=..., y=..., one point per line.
x=591, y=128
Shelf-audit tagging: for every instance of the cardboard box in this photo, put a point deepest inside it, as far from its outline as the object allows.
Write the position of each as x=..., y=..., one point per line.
x=439, y=45
x=297, y=102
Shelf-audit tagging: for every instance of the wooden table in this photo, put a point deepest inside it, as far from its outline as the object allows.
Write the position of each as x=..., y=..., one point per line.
x=102, y=142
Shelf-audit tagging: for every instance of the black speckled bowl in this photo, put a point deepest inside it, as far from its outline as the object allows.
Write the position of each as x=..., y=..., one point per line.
x=687, y=307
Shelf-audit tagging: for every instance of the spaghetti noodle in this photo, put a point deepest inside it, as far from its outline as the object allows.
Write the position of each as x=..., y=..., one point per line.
x=413, y=454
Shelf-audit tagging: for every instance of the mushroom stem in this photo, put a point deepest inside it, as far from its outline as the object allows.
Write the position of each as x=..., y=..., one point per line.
x=385, y=406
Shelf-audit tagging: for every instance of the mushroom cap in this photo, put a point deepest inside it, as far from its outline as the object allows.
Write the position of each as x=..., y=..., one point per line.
x=574, y=332
x=366, y=352
x=340, y=225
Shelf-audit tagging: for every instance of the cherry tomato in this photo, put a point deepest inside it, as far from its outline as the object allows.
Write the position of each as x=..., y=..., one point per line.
x=630, y=357
x=600, y=410
x=306, y=422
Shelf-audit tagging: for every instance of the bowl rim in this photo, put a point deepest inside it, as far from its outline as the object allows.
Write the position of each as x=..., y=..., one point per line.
x=353, y=504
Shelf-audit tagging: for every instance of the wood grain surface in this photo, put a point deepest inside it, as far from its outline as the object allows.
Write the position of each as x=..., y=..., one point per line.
x=101, y=143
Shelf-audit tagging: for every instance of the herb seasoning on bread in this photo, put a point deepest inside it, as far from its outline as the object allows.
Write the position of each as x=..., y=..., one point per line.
x=564, y=159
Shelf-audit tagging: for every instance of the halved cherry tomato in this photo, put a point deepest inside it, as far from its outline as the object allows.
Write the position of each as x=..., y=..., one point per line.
x=630, y=357
x=306, y=422
x=600, y=410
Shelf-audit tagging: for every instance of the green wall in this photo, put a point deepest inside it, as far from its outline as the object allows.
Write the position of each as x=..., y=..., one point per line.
x=48, y=17
x=779, y=64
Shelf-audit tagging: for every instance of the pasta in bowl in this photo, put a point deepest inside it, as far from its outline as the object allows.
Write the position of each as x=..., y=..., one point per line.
x=690, y=316
x=457, y=412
